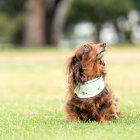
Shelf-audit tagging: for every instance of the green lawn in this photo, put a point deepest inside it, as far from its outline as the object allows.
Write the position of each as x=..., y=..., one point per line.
x=32, y=89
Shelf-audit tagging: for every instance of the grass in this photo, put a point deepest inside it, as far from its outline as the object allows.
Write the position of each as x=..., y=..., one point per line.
x=32, y=90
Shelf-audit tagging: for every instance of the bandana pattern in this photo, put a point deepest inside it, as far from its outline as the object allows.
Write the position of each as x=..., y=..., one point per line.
x=90, y=88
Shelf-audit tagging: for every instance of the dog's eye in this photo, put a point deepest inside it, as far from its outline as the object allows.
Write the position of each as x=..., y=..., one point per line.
x=86, y=47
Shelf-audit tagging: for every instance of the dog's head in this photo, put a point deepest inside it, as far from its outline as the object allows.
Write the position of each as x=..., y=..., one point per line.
x=86, y=63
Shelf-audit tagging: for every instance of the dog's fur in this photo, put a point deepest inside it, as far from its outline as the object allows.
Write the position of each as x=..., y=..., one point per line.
x=86, y=64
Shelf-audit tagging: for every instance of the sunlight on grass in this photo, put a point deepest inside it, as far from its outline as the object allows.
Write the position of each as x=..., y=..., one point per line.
x=32, y=90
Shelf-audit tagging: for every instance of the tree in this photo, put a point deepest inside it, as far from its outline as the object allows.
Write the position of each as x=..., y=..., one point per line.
x=56, y=17
x=44, y=19
x=33, y=34
x=98, y=11
x=137, y=3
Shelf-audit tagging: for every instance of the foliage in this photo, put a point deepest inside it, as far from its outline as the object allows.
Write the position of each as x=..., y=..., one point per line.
x=9, y=26
x=12, y=7
x=137, y=2
x=11, y=19
x=99, y=10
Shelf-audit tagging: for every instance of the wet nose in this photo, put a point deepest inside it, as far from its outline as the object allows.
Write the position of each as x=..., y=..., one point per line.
x=103, y=45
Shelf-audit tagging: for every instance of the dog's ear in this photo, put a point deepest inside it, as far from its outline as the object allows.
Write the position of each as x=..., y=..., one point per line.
x=102, y=68
x=74, y=71
x=70, y=65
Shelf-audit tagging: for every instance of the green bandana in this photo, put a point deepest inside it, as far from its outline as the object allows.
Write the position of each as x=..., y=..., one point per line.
x=90, y=88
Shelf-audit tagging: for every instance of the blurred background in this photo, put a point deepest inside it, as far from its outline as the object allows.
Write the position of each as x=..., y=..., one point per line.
x=36, y=37
x=66, y=23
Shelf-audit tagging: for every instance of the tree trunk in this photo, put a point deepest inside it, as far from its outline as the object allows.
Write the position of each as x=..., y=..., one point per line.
x=98, y=29
x=34, y=34
x=59, y=20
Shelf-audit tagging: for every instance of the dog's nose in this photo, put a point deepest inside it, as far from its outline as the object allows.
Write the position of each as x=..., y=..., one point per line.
x=103, y=45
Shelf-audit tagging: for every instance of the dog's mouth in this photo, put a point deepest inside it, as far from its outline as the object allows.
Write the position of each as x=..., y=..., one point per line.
x=100, y=54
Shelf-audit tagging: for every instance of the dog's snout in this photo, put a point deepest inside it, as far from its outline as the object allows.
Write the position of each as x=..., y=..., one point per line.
x=103, y=45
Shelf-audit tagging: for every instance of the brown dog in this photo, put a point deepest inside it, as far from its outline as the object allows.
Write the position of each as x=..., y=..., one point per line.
x=88, y=96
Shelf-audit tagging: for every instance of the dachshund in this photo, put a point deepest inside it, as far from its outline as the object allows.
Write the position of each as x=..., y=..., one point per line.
x=88, y=97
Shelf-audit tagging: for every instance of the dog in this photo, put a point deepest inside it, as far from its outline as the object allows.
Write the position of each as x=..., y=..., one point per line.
x=88, y=97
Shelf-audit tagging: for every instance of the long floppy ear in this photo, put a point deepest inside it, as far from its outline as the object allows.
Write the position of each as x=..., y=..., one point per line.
x=74, y=71
x=102, y=68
